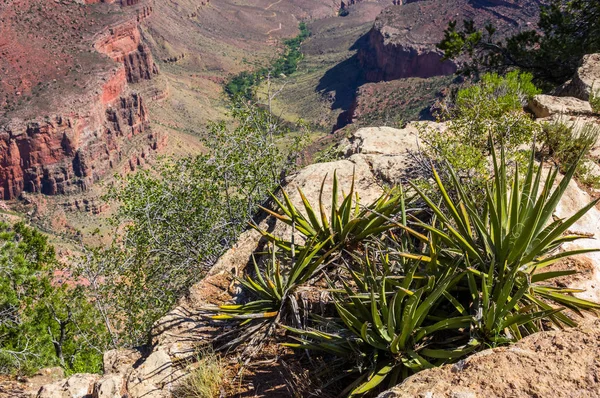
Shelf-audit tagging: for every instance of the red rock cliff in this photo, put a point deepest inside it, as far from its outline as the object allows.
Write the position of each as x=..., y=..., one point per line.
x=98, y=125
x=64, y=154
x=123, y=44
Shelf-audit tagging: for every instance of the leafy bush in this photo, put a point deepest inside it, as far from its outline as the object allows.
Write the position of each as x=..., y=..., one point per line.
x=43, y=321
x=325, y=238
x=347, y=224
x=493, y=107
x=179, y=217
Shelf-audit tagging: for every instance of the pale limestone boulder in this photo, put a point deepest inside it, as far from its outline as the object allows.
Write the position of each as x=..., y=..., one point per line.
x=53, y=390
x=558, y=364
x=152, y=376
x=389, y=152
x=110, y=386
x=42, y=377
x=120, y=360
x=77, y=386
x=574, y=199
x=546, y=105
x=586, y=78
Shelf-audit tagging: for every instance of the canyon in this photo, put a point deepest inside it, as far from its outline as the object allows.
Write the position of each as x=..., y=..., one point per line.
x=110, y=88
x=94, y=88
x=62, y=145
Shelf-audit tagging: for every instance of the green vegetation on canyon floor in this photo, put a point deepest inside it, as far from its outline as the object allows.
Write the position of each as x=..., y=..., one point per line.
x=245, y=83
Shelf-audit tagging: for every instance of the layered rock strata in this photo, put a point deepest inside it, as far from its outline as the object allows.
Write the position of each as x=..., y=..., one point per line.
x=101, y=128
x=123, y=44
x=66, y=153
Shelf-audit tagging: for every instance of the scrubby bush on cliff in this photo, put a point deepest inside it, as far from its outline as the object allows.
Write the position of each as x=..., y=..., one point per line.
x=567, y=30
x=44, y=321
x=493, y=107
x=177, y=218
x=564, y=141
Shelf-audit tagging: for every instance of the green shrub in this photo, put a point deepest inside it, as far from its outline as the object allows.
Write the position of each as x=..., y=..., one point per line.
x=177, y=218
x=565, y=142
x=43, y=322
x=493, y=107
x=324, y=238
x=244, y=84
x=343, y=12
x=566, y=31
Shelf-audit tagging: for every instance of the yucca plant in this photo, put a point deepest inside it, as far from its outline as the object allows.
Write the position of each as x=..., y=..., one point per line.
x=275, y=284
x=510, y=240
x=470, y=278
x=391, y=326
x=271, y=297
x=347, y=223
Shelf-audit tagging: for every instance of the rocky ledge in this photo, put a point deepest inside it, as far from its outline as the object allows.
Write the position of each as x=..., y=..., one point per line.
x=375, y=156
x=402, y=42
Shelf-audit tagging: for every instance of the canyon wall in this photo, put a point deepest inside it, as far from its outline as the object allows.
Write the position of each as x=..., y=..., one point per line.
x=123, y=44
x=64, y=154
x=387, y=60
x=402, y=42
x=90, y=133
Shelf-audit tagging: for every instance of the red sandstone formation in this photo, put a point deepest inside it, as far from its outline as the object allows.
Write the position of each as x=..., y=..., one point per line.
x=65, y=154
x=98, y=123
x=123, y=44
x=402, y=41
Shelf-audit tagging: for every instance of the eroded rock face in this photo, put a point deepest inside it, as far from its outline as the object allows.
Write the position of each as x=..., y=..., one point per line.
x=109, y=386
x=586, y=79
x=546, y=105
x=77, y=386
x=403, y=40
x=66, y=153
x=66, y=140
x=548, y=364
x=123, y=44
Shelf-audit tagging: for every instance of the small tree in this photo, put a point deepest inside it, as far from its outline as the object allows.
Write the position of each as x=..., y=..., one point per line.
x=567, y=30
x=180, y=216
x=43, y=320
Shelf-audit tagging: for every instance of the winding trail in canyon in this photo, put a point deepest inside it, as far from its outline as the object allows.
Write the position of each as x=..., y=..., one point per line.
x=274, y=30
x=272, y=4
x=267, y=8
